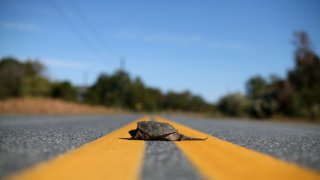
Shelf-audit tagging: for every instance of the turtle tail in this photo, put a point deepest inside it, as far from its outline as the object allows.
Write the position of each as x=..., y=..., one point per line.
x=183, y=137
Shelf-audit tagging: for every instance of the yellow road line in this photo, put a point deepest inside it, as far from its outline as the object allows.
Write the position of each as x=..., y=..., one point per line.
x=218, y=159
x=108, y=157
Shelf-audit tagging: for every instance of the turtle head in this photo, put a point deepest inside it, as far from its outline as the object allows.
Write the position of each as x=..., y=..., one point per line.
x=133, y=132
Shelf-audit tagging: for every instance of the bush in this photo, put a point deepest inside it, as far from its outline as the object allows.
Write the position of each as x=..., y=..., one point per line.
x=234, y=104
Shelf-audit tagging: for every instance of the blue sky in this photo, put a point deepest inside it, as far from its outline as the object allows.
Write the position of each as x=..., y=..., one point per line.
x=209, y=47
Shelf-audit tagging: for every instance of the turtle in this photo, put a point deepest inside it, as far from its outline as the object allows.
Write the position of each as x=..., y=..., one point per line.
x=152, y=130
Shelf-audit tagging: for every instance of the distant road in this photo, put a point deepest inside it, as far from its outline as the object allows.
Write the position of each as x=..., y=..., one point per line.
x=26, y=141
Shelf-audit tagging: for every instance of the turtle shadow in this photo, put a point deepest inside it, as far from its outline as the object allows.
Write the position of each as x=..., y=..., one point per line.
x=130, y=139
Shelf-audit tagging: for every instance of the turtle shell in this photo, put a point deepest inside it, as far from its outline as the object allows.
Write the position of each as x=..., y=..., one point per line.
x=154, y=129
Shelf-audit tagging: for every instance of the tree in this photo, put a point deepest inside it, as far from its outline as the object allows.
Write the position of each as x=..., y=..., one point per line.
x=119, y=90
x=64, y=90
x=305, y=78
x=11, y=75
x=35, y=86
x=136, y=95
x=152, y=99
x=234, y=104
x=111, y=90
x=256, y=87
x=15, y=74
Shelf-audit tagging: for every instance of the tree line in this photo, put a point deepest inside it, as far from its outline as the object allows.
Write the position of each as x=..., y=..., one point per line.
x=297, y=95
x=27, y=79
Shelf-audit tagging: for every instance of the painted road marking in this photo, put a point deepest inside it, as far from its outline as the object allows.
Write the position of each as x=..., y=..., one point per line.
x=218, y=159
x=108, y=157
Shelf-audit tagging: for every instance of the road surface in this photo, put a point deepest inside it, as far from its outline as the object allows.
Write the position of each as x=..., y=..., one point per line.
x=26, y=141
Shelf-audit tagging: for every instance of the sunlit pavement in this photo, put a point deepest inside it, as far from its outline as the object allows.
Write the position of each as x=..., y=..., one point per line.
x=27, y=141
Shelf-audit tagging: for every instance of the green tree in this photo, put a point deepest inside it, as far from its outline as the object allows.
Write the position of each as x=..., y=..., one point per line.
x=15, y=74
x=63, y=90
x=234, y=104
x=35, y=86
x=305, y=78
x=96, y=94
x=119, y=90
x=152, y=100
x=256, y=87
x=269, y=97
x=11, y=75
x=111, y=90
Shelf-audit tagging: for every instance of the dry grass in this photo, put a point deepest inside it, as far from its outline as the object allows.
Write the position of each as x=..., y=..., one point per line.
x=50, y=106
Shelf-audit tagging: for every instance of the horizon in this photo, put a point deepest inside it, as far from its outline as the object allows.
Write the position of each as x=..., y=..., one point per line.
x=190, y=49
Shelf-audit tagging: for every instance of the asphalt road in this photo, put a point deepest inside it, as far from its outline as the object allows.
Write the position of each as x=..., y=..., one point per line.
x=25, y=141
x=163, y=160
x=297, y=143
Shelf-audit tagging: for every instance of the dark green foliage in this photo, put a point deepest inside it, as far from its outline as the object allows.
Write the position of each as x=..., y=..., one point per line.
x=256, y=87
x=26, y=79
x=11, y=75
x=63, y=90
x=234, y=104
x=111, y=90
x=17, y=78
x=268, y=97
x=305, y=79
x=297, y=95
x=176, y=101
x=186, y=101
x=35, y=86
x=119, y=90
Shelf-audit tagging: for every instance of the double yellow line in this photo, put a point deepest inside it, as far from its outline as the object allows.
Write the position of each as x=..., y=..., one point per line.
x=218, y=159
x=114, y=157
x=109, y=157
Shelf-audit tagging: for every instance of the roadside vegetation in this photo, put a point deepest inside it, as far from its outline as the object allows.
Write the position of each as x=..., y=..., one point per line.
x=294, y=96
x=51, y=107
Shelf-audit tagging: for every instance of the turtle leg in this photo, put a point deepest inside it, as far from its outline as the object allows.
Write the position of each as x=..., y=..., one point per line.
x=172, y=137
x=141, y=135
